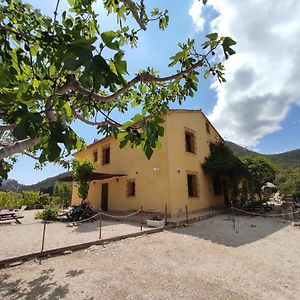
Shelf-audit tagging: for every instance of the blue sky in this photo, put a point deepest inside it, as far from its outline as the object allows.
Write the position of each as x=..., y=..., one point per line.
x=238, y=116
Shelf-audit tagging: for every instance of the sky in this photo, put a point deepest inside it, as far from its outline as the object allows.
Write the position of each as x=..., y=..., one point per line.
x=258, y=106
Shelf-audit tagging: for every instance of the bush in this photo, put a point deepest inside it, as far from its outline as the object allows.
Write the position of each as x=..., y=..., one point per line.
x=49, y=213
x=32, y=199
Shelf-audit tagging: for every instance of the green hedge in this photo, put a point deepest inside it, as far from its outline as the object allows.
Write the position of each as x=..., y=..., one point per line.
x=10, y=200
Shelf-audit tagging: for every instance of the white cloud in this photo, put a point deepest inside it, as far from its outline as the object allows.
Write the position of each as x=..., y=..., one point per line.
x=263, y=79
x=196, y=13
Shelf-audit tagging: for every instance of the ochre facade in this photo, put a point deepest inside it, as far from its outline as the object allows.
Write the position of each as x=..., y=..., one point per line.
x=162, y=180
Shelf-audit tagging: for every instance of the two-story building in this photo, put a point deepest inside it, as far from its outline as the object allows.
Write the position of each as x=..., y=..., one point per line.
x=125, y=179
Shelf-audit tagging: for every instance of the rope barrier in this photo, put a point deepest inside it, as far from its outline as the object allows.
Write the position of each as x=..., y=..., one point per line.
x=120, y=217
x=81, y=221
x=263, y=215
x=151, y=211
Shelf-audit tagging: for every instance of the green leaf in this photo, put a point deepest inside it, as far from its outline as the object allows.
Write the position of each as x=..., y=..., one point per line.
x=212, y=36
x=108, y=37
x=136, y=118
x=160, y=131
x=148, y=151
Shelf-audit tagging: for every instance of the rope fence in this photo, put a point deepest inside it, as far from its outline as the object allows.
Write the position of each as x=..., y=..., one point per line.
x=265, y=215
x=121, y=216
x=141, y=213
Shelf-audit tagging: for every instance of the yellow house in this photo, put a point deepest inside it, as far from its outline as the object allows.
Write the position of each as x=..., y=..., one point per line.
x=173, y=176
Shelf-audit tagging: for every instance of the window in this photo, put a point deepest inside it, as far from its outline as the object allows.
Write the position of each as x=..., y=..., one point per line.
x=190, y=141
x=192, y=185
x=207, y=127
x=106, y=155
x=217, y=186
x=95, y=156
x=130, y=188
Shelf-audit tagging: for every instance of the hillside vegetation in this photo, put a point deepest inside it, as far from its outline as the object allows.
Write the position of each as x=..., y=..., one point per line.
x=286, y=160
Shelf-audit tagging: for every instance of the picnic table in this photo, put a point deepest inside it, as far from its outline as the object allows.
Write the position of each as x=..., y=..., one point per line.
x=9, y=215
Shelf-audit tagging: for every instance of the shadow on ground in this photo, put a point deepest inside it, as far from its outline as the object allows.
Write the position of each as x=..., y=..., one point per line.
x=220, y=229
x=42, y=287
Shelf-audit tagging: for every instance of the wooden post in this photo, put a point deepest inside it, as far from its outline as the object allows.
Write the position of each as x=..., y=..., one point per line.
x=141, y=218
x=100, y=224
x=186, y=215
x=233, y=220
x=44, y=233
x=293, y=209
x=166, y=214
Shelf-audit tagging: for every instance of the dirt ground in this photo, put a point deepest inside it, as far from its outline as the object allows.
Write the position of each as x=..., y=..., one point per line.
x=27, y=238
x=207, y=260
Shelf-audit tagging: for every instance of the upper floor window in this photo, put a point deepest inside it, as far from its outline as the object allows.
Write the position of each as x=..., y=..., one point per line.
x=192, y=185
x=190, y=141
x=130, y=188
x=95, y=156
x=106, y=155
x=207, y=125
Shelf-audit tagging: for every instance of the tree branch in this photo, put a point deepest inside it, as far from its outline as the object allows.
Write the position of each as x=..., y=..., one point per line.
x=89, y=122
x=56, y=9
x=31, y=155
x=18, y=147
x=73, y=84
x=7, y=127
x=132, y=7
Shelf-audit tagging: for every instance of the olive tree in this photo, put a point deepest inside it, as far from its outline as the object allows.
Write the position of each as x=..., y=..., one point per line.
x=61, y=68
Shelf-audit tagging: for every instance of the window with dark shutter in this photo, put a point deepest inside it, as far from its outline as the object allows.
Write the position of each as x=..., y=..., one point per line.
x=106, y=155
x=207, y=127
x=130, y=188
x=192, y=185
x=95, y=156
x=190, y=141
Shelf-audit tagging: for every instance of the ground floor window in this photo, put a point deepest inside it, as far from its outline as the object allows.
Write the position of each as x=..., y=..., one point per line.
x=130, y=188
x=192, y=185
x=217, y=186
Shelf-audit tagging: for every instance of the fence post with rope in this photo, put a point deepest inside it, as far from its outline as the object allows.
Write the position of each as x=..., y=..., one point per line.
x=44, y=233
x=100, y=224
x=166, y=214
x=141, y=218
x=186, y=214
x=293, y=209
x=232, y=212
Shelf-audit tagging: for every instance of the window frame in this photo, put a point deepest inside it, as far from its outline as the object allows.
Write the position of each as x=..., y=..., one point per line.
x=195, y=192
x=129, y=188
x=207, y=125
x=192, y=142
x=104, y=149
x=95, y=156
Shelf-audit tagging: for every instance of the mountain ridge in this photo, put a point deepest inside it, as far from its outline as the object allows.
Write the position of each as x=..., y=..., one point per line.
x=286, y=160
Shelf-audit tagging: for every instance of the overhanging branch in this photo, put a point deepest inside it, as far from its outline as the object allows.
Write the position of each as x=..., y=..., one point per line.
x=89, y=122
x=18, y=147
x=132, y=7
x=73, y=84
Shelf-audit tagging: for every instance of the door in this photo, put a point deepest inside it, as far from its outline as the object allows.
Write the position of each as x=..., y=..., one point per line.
x=104, y=197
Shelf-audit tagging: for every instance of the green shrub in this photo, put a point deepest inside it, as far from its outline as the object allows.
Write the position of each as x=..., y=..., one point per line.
x=32, y=199
x=49, y=213
x=63, y=194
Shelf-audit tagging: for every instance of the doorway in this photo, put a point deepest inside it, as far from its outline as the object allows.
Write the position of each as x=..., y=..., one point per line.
x=104, y=196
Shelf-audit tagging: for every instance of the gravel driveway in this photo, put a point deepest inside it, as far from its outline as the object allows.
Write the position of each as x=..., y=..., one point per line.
x=207, y=260
x=27, y=238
